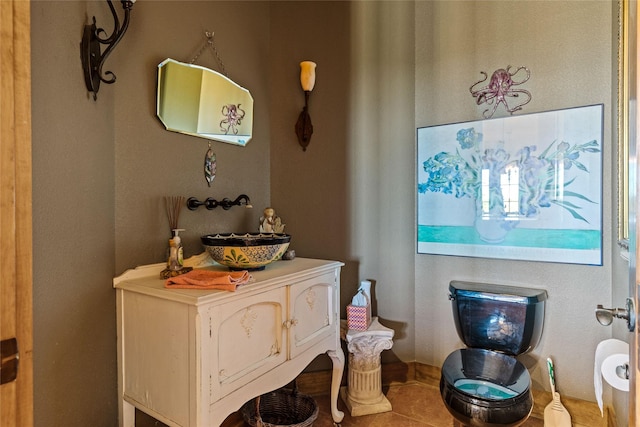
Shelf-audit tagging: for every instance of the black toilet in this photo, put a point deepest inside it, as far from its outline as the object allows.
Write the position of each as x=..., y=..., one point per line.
x=485, y=385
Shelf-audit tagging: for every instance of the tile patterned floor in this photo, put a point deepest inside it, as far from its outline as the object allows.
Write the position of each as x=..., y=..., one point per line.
x=414, y=404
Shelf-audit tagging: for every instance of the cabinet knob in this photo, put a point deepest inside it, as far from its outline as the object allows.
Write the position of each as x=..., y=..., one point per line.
x=287, y=324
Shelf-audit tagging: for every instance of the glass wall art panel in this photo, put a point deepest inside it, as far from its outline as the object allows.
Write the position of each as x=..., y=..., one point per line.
x=526, y=187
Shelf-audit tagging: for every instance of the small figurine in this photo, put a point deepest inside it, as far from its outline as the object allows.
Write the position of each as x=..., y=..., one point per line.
x=270, y=222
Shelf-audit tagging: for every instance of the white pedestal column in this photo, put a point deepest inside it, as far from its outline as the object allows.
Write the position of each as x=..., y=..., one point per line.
x=363, y=395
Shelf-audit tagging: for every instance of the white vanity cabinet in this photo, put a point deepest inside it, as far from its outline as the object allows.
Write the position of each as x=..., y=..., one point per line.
x=192, y=357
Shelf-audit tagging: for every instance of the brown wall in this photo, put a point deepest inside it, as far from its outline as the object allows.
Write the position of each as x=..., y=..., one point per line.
x=73, y=227
x=152, y=162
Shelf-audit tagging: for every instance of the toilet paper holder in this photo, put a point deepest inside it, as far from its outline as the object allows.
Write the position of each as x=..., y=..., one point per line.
x=622, y=371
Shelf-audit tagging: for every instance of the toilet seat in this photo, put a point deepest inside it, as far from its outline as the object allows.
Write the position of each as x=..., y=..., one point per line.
x=485, y=388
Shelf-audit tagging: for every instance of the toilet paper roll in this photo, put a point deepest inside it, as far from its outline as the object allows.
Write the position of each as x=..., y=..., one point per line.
x=610, y=371
x=605, y=349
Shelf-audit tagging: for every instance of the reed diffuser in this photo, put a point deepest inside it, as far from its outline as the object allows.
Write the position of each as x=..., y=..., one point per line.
x=173, y=206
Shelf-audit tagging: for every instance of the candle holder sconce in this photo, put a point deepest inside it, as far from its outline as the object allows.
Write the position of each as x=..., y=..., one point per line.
x=304, y=128
x=92, y=38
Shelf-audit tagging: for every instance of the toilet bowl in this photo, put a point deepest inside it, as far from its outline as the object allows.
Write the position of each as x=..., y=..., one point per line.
x=485, y=385
x=486, y=388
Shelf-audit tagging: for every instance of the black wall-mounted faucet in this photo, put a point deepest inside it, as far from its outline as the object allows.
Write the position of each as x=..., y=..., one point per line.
x=226, y=203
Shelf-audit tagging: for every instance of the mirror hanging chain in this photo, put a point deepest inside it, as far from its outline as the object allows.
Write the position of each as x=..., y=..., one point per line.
x=209, y=42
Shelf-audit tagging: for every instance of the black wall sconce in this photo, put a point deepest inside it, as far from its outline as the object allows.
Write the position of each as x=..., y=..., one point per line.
x=304, y=128
x=226, y=203
x=92, y=38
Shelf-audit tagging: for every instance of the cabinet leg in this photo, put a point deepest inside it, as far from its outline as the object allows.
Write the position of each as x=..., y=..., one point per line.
x=127, y=414
x=337, y=357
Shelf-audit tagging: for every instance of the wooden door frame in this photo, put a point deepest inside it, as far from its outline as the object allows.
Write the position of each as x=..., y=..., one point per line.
x=16, y=265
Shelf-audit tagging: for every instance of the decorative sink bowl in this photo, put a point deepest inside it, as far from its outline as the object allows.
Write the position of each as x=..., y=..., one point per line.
x=249, y=251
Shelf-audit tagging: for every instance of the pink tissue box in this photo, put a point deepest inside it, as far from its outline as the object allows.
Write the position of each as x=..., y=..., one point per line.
x=359, y=317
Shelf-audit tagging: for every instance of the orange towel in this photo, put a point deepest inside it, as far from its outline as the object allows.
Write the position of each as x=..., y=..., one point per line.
x=206, y=279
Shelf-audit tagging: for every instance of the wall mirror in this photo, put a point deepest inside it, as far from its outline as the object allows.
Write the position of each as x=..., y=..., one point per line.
x=623, y=123
x=197, y=101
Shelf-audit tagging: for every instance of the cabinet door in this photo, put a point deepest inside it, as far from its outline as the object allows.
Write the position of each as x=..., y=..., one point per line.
x=246, y=339
x=312, y=312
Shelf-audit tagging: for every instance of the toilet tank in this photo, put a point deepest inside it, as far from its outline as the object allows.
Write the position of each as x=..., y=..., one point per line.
x=507, y=319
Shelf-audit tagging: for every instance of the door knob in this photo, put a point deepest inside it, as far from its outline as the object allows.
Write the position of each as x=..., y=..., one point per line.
x=605, y=316
x=9, y=357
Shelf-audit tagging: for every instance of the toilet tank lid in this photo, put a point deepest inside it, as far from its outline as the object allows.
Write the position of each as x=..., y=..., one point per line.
x=497, y=292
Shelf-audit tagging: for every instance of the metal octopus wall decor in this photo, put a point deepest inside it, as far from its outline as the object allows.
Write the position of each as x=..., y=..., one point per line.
x=500, y=90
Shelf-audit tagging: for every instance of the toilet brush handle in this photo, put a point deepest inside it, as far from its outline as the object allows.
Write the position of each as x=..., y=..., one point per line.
x=552, y=379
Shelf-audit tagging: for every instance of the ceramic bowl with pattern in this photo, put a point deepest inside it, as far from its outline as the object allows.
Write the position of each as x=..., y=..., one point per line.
x=248, y=251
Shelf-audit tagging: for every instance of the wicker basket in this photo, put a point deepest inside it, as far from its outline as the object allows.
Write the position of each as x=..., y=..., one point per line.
x=280, y=408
